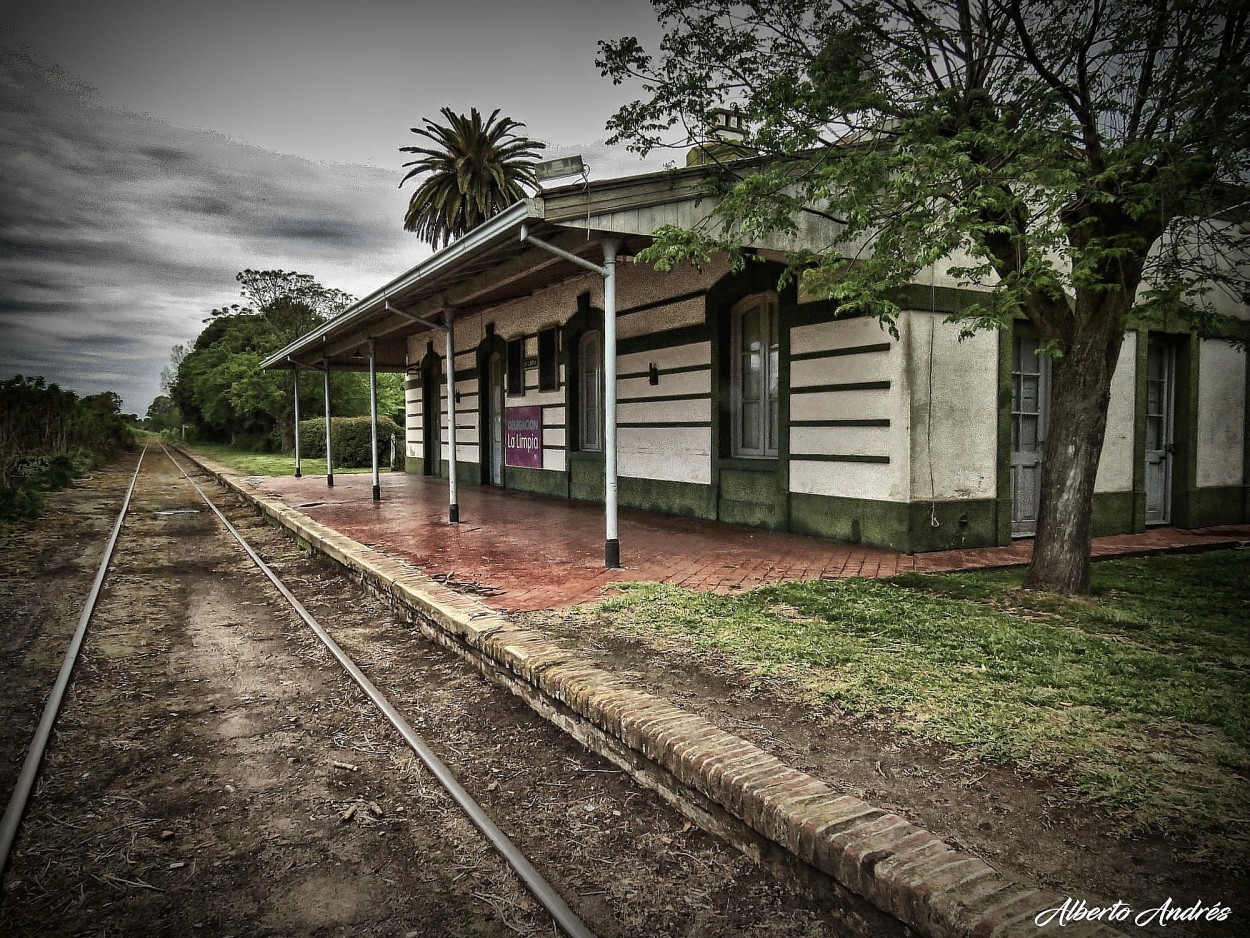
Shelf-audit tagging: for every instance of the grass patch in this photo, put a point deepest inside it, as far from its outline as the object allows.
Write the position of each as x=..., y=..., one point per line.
x=1136, y=696
x=266, y=464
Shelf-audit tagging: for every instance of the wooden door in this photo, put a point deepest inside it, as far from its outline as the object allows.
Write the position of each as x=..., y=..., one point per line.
x=1030, y=397
x=431, y=422
x=495, y=417
x=1160, y=394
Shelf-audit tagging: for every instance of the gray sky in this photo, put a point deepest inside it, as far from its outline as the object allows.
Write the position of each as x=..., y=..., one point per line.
x=151, y=150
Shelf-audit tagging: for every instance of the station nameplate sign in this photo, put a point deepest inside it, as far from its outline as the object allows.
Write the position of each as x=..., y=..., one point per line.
x=523, y=437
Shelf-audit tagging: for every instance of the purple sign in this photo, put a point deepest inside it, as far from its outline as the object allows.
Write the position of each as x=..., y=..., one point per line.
x=523, y=437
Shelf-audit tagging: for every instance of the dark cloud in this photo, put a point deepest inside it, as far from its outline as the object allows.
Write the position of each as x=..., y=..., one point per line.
x=340, y=233
x=9, y=305
x=119, y=232
x=171, y=157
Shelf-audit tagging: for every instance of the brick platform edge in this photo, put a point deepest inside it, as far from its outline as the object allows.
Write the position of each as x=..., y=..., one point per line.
x=722, y=782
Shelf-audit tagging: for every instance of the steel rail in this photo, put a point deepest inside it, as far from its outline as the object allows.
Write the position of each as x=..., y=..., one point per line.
x=13, y=814
x=541, y=889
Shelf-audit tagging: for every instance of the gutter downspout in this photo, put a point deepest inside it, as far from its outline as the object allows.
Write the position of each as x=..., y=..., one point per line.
x=373, y=418
x=611, y=542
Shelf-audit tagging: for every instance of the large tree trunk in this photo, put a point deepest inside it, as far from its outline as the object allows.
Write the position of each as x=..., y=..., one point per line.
x=1079, y=397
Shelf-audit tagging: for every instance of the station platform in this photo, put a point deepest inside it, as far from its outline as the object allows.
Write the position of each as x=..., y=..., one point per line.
x=521, y=552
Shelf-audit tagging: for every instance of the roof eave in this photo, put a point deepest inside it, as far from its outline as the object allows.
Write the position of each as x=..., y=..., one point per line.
x=473, y=241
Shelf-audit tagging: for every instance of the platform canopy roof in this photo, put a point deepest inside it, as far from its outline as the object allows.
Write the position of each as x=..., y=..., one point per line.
x=491, y=264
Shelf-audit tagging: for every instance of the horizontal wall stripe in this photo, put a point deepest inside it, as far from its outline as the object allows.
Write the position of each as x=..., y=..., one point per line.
x=683, y=335
x=838, y=422
x=656, y=304
x=683, y=370
x=848, y=386
x=696, y=396
x=837, y=457
x=658, y=425
x=839, y=352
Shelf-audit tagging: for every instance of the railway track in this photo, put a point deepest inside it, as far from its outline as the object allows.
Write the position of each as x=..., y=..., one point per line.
x=213, y=771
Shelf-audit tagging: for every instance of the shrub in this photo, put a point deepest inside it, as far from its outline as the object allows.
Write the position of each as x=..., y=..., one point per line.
x=49, y=436
x=350, y=438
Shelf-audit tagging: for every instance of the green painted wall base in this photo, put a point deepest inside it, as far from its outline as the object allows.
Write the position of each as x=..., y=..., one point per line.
x=854, y=520
x=1225, y=504
x=1114, y=513
x=960, y=524
x=467, y=473
x=540, y=481
x=752, y=498
x=905, y=527
x=585, y=477
x=684, y=499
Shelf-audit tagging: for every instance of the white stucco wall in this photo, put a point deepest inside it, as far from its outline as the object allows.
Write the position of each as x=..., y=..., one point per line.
x=880, y=481
x=1115, y=465
x=954, y=409
x=413, y=437
x=672, y=453
x=1221, y=413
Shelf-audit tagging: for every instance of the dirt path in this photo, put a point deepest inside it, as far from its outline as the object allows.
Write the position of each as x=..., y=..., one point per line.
x=213, y=773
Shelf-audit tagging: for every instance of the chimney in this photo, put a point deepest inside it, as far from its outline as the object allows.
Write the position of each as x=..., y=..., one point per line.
x=722, y=138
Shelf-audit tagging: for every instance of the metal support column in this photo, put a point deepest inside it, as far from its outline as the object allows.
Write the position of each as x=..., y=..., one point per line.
x=453, y=509
x=329, y=452
x=373, y=417
x=295, y=379
x=611, y=543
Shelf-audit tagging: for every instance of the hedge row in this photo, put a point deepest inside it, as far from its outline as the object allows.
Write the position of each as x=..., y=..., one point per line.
x=350, y=438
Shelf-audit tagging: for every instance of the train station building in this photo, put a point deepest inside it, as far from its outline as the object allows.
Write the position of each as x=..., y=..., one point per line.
x=534, y=343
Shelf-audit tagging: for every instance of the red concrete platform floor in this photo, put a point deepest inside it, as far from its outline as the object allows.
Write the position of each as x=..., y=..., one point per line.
x=522, y=552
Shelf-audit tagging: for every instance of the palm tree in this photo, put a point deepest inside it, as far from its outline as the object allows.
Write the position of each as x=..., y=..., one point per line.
x=476, y=170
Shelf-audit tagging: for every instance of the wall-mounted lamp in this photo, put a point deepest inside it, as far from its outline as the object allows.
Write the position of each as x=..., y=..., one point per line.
x=457, y=397
x=654, y=374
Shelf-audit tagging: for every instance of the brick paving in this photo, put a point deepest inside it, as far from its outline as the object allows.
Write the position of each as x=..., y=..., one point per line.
x=524, y=552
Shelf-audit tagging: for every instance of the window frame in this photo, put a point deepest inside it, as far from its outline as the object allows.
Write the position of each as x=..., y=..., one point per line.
x=549, y=359
x=514, y=365
x=590, y=412
x=767, y=424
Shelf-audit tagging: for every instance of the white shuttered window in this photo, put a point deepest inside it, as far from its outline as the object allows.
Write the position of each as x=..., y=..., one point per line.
x=755, y=368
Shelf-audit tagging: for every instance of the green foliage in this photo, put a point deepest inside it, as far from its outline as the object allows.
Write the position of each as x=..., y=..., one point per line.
x=218, y=387
x=1137, y=695
x=162, y=415
x=1038, y=151
x=475, y=170
x=48, y=437
x=351, y=438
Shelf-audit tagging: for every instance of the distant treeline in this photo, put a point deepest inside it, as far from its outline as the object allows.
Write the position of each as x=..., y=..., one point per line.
x=217, y=392
x=49, y=436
